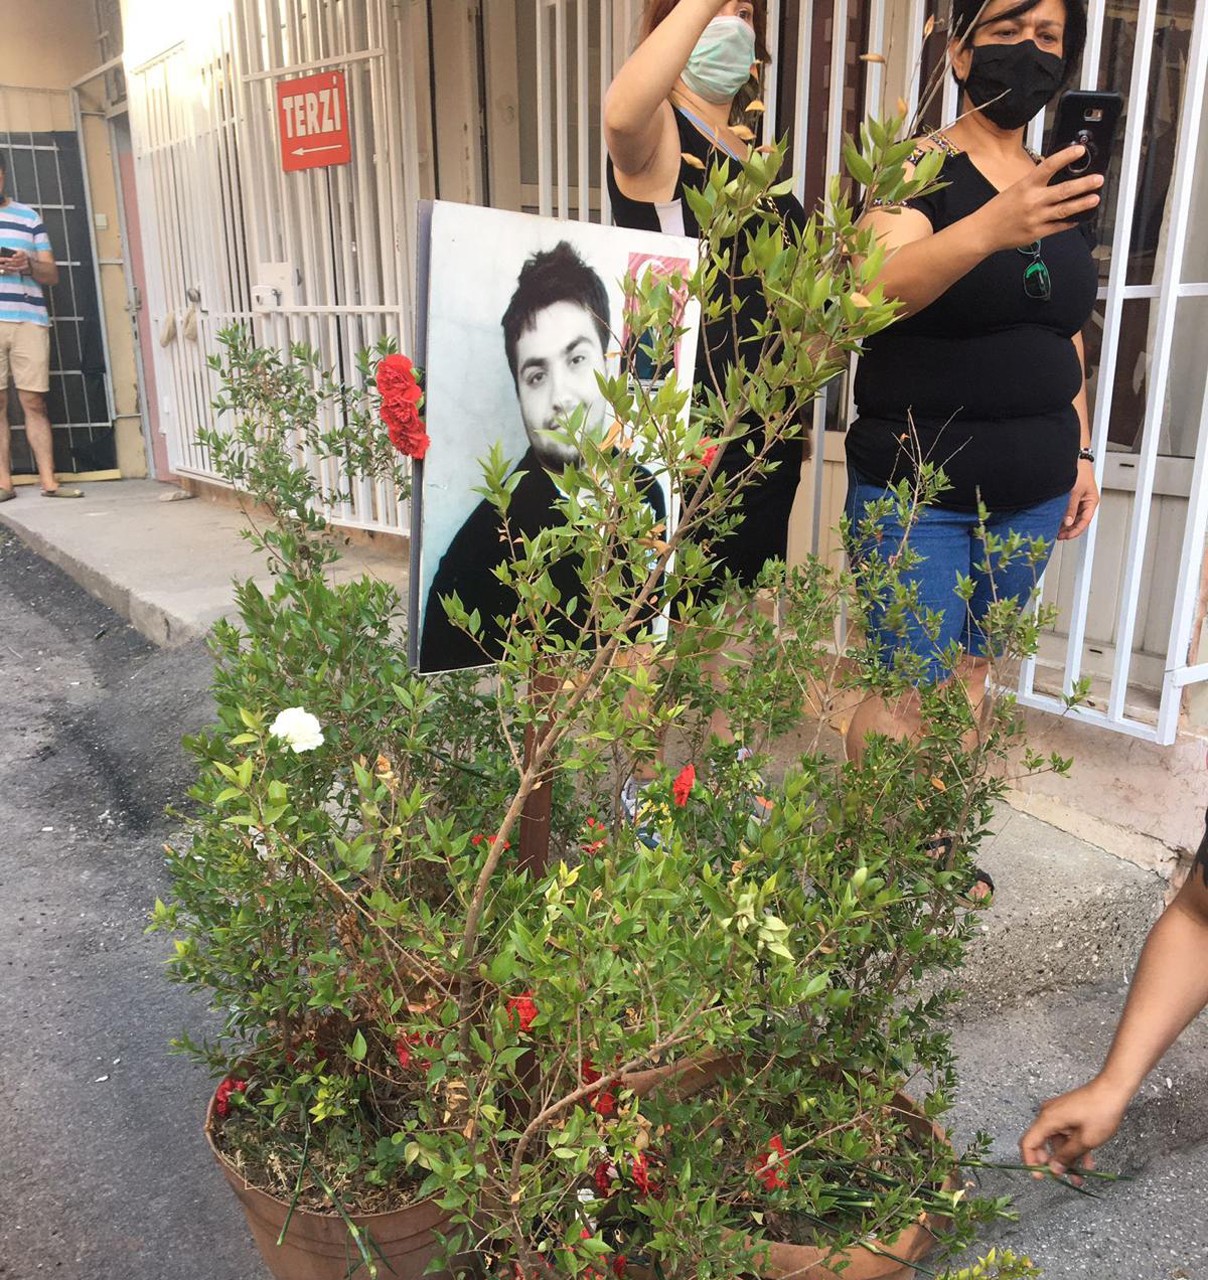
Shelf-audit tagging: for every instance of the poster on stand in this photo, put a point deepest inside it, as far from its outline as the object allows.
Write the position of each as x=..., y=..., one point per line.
x=522, y=317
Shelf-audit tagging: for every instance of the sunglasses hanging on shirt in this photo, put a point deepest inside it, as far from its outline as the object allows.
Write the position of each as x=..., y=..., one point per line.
x=1037, y=283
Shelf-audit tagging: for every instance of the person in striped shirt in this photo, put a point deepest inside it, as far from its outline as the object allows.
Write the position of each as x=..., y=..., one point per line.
x=26, y=266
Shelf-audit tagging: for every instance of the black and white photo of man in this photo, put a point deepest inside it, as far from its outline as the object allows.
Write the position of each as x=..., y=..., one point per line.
x=556, y=335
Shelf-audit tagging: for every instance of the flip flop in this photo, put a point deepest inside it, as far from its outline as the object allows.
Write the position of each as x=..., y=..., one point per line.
x=60, y=492
x=941, y=848
x=7, y=495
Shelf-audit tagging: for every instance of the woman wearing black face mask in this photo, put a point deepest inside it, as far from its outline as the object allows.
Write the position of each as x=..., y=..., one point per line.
x=985, y=375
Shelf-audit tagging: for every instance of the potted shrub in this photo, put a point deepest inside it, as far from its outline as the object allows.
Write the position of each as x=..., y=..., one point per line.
x=674, y=1053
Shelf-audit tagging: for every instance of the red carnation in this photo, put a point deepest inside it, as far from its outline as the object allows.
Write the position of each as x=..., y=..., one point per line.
x=523, y=1009
x=681, y=789
x=401, y=399
x=593, y=827
x=604, y=1177
x=641, y=1173
x=776, y=1160
x=222, y=1095
x=619, y=1263
x=706, y=458
x=406, y=1042
x=605, y=1101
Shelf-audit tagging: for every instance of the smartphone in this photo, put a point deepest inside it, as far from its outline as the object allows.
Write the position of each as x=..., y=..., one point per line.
x=6, y=252
x=1085, y=117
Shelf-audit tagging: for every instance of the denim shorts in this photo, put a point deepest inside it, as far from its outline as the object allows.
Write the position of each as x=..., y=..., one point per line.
x=949, y=544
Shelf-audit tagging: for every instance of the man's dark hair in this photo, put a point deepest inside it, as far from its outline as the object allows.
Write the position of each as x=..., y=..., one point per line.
x=967, y=17
x=552, y=276
x=3, y=166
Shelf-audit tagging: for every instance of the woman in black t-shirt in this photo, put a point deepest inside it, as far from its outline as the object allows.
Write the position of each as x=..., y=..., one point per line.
x=984, y=376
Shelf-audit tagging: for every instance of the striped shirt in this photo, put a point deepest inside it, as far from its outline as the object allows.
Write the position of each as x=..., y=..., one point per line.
x=21, y=297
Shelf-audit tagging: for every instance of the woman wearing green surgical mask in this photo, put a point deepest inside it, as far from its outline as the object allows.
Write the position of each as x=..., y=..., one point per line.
x=667, y=120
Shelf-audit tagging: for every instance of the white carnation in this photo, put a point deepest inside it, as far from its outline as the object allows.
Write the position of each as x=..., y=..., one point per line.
x=297, y=728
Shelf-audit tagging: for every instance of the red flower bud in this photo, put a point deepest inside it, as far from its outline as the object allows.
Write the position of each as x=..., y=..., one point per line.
x=522, y=1009
x=681, y=789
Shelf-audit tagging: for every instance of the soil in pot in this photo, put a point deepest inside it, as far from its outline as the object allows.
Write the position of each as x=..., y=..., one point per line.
x=319, y=1246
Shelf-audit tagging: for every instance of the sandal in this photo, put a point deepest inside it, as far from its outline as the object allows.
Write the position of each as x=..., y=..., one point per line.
x=60, y=492
x=941, y=848
x=7, y=495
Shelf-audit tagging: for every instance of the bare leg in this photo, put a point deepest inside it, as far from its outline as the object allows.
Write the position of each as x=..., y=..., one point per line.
x=6, y=443
x=37, y=432
x=716, y=663
x=902, y=719
x=898, y=719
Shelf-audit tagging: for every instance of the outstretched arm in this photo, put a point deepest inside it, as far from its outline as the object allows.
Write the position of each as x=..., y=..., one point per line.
x=1169, y=989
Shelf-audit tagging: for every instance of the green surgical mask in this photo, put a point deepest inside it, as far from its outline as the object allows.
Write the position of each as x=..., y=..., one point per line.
x=721, y=62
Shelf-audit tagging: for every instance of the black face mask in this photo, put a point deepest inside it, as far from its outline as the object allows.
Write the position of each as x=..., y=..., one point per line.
x=1010, y=83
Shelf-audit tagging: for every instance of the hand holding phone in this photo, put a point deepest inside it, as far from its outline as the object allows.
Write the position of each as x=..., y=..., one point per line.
x=1087, y=119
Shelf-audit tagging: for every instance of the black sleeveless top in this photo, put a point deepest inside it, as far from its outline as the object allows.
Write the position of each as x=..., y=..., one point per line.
x=985, y=376
x=767, y=503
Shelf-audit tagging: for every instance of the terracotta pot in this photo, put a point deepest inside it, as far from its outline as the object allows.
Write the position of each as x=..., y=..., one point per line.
x=682, y=1079
x=810, y=1262
x=318, y=1245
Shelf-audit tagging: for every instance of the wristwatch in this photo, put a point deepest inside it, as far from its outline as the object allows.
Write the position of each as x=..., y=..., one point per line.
x=1085, y=455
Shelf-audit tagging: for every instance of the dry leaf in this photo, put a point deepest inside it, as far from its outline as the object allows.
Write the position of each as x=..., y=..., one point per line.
x=613, y=435
x=872, y=57
x=756, y=105
x=938, y=784
x=903, y=107
x=928, y=26
x=741, y=131
x=859, y=300
x=765, y=151
x=689, y=159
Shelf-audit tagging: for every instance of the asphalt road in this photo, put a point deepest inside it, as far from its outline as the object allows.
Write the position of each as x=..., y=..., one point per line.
x=103, y=1171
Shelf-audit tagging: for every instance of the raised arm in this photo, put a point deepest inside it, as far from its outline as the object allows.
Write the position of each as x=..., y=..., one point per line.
x=923, y=264
x=1169, y=989
x=636, y=107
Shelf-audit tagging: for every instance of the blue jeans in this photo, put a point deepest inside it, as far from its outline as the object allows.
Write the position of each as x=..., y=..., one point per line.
x=949, y=544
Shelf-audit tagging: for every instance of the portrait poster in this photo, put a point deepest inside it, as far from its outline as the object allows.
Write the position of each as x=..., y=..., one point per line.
x=512, y=343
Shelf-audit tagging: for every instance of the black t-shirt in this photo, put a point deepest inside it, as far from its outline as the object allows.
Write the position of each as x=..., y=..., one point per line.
x=984, y=377
x=467, y=570
x=731, y=338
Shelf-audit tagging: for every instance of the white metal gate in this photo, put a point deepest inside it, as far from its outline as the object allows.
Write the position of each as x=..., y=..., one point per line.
x=338, y=246
x=1129, y=593
x=323, y=257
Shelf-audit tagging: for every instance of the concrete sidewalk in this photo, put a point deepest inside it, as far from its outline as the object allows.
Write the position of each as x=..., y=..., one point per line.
x=168, y=567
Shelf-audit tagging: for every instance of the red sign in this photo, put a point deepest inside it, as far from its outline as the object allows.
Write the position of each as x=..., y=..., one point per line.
x=312, y=116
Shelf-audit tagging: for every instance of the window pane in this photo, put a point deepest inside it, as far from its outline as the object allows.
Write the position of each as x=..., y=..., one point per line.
x=1128, y=384
x=1185, y=390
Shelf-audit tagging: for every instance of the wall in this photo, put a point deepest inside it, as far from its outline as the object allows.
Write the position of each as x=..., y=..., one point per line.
x=49, y=49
